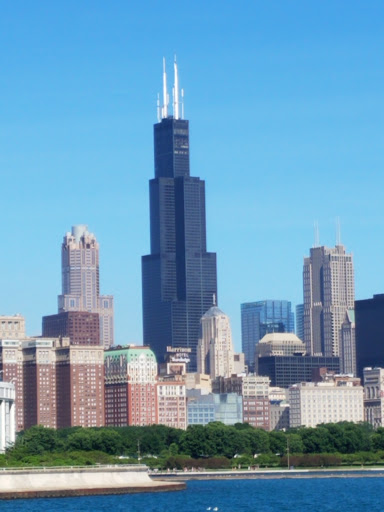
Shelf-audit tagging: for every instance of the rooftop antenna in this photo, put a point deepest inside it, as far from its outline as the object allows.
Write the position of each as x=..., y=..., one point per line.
x=176, y=92
x=316, y=234
x=158, y=108
x=182, y=103
x=214, y=299
x=165, y=93
x=338, y=231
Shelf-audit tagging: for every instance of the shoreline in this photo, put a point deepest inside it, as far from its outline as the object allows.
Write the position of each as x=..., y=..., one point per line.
x=271, y=474
x=80, y=481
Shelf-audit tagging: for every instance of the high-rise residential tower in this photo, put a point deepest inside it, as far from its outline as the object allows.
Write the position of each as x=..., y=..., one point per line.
x=329, y=292
x=260, y=318
x=179, y=280
x=80, y=280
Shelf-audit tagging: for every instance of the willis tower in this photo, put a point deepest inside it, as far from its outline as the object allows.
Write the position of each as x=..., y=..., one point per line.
x=179, y=280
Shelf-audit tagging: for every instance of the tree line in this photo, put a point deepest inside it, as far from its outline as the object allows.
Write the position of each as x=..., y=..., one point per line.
x=161, y=446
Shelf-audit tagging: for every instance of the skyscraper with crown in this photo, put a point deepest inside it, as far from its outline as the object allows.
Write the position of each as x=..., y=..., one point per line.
x=80, y=281
x=329, y=293
x=179, y=279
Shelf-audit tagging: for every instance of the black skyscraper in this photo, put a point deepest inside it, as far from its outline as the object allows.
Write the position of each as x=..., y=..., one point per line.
x=369, y=321
x=179, y=276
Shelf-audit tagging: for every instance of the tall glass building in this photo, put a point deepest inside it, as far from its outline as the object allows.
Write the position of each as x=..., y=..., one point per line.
x=179, y=280
x=260, y=318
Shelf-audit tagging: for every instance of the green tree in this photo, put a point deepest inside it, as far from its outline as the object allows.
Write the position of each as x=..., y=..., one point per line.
x=258, y=440
x=38, y=439
x=295, y=443
x=193, y=441
x=277, y=442
x=317, y=440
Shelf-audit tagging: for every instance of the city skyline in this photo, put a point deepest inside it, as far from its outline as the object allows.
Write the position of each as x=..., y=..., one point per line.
x=286, y=112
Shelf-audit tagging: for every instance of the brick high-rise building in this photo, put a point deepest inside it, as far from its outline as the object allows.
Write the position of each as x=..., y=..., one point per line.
x=81, y=327
x=57, y=384
x=80, y=280
x=329, y=292
x=130, y=386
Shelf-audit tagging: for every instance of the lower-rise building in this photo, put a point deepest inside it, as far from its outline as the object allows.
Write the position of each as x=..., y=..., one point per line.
x=172, y=402
x=284, y=371
x=374, y=396
x=279, y=415
x=130, y=386
x=200, y=407
x=312, y=403
x=232, y=384
x=256, y=407
x=7, y=415
x=205, y=408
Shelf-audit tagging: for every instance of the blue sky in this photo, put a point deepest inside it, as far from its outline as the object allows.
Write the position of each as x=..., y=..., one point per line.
x=286, y=110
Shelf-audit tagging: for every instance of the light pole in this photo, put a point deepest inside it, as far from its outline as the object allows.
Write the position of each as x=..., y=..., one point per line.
x=288, y=451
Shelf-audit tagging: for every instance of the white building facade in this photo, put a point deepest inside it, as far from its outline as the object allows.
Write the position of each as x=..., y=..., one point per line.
x=313, y=403
x=7, y=415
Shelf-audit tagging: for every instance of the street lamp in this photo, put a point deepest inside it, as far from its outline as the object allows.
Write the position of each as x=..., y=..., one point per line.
x=288, y=451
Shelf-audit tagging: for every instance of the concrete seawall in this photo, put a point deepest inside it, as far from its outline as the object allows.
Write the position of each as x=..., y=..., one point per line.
x=64, y=481
x=270, y=474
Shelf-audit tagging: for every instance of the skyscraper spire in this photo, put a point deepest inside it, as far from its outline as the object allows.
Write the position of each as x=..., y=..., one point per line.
x=165, y=93
x=338, y=231
x=176, y=92
x=316, y=241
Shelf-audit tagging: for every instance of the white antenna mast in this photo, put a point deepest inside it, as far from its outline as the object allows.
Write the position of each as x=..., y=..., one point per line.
x=176, y=93
x=165, y=93
x=338, y=231
x=182, y=103
x=316, y=234
x=158, y=108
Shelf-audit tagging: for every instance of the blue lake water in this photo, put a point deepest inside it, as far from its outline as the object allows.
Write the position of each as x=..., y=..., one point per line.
x=306, y=495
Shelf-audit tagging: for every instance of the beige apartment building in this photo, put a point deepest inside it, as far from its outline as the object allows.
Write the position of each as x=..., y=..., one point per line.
x=12, y=327
x=312, y=403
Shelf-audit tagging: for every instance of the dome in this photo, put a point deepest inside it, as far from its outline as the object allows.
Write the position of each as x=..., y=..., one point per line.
x=213, y=311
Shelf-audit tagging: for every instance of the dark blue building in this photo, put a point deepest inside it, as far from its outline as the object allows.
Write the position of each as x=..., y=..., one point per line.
x=179, y=279
x=369, y=322
x=261, y=318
